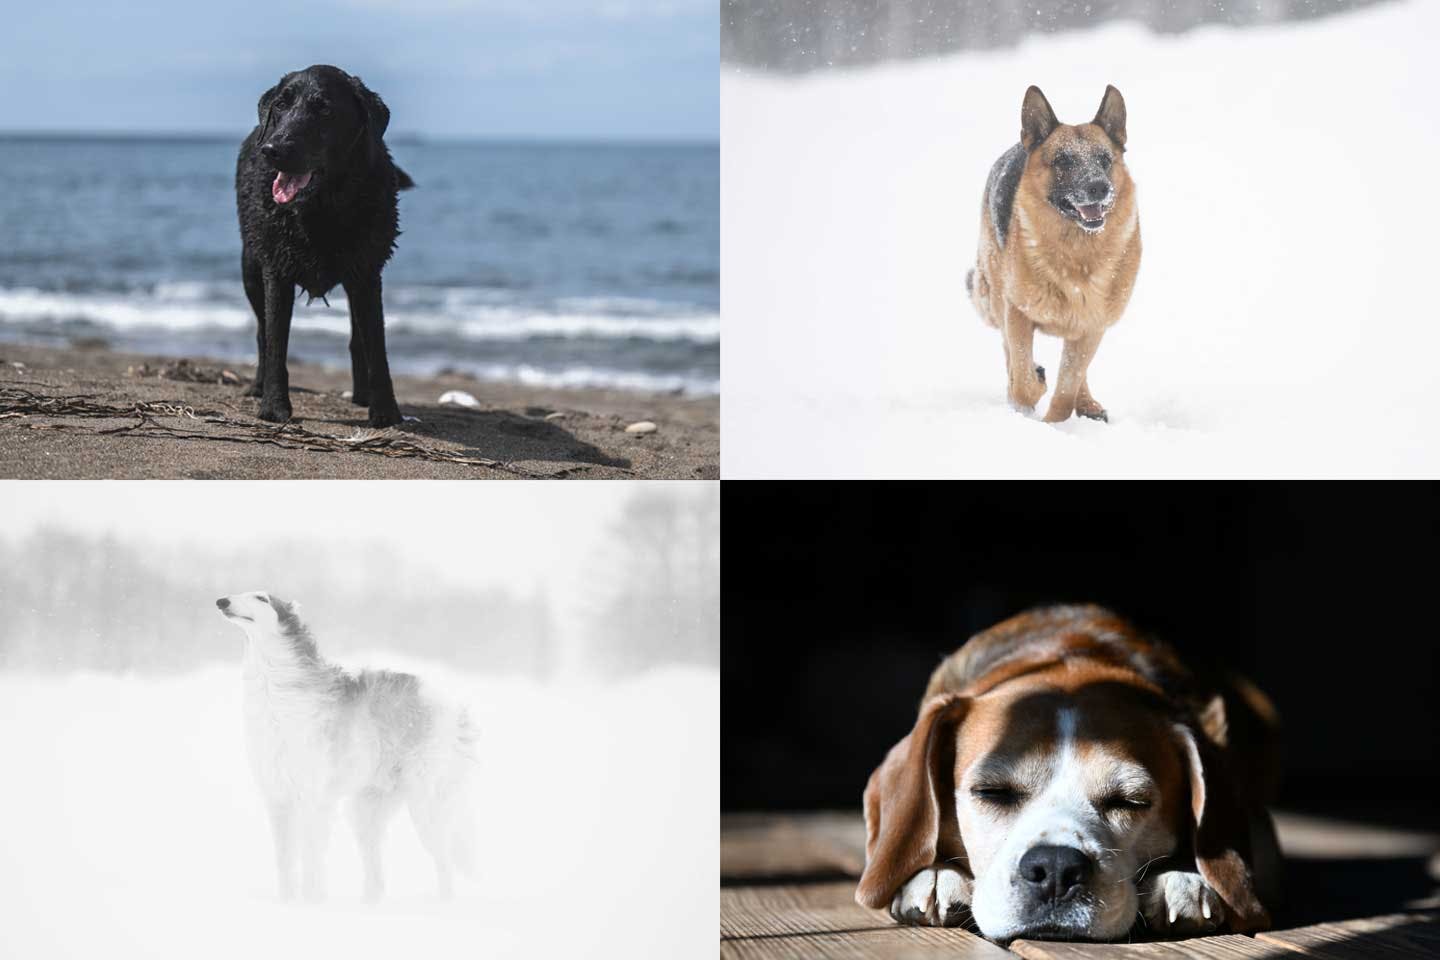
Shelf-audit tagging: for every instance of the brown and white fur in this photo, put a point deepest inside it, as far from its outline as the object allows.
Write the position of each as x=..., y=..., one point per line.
x=1067, y=776
x=318, y=737
x=1059, y=248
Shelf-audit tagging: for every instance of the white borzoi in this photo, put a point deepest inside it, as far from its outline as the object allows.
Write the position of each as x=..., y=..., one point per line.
x=319, y=736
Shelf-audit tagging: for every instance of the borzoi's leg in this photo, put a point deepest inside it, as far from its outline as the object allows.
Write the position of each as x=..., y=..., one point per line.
x=432, y=821
x=282, y=829
x=369, y=813
x=314, y=841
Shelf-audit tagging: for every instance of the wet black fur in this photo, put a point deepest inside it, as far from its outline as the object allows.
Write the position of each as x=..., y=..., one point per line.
x=339, y=230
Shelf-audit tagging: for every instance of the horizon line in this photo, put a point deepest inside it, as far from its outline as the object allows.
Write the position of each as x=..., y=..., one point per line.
x=400, y=137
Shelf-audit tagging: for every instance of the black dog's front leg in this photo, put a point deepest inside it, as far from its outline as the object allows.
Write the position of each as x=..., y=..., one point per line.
x=367, y=319
x=359, y=371
x=279, y=304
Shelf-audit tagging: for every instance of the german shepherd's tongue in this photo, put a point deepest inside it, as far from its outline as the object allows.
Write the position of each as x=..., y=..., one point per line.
x=286, y=185
x=1090, y=211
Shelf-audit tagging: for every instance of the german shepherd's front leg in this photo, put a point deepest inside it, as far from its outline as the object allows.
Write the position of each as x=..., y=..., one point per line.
x=1025, y=386
x=1074, y=362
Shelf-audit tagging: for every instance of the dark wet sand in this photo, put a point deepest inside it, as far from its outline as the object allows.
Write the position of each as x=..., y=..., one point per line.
x=208, y=430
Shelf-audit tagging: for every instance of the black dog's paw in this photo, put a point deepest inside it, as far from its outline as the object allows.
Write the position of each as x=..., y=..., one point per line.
x=275, y=412
x=385, y=415
x=360, y=399
x=1040, y=372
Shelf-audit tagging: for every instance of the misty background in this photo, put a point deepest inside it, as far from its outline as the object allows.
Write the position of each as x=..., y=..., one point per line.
x=124, y=577
x=795, y=36
x=578, y=627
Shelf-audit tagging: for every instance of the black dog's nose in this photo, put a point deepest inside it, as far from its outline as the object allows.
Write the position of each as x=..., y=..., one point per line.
x=274, y=152
x=223, y=603
x=1052, y=872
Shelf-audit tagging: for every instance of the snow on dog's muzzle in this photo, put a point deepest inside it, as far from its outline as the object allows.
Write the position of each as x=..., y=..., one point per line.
x=287, y=185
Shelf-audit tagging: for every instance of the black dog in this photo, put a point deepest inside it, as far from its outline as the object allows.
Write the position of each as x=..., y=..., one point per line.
x=315, y=189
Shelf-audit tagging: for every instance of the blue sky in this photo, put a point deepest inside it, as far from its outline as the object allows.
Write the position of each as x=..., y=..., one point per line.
x=447, y=68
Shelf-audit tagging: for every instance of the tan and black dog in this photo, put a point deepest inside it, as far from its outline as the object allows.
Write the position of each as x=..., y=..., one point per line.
x=1059, y=248
x=1068, y=778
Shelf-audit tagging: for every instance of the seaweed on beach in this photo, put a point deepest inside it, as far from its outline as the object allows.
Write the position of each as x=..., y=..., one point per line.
x=147, y=417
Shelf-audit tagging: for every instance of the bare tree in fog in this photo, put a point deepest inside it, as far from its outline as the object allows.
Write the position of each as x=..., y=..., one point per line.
x=794, y=36
x=72, y=601
x=662, y=565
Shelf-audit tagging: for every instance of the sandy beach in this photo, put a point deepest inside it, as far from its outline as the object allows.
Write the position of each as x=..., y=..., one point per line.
x=87, y=412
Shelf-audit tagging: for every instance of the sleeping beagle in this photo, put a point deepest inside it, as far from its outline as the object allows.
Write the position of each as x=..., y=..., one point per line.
x=1069, y=779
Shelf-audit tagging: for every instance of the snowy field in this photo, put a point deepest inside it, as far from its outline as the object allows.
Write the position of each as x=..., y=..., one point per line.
x=132, y=828
x=1284, y=323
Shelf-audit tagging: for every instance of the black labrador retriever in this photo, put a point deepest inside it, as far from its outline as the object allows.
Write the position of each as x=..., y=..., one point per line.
x=316, y=192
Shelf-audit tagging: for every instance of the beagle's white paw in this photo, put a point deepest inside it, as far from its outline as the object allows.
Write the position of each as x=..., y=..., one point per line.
x=1179, y=902
x=937, y=896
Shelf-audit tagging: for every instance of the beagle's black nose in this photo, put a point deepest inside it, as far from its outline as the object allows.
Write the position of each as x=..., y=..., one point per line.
x=223, y=603
x=1051, y=872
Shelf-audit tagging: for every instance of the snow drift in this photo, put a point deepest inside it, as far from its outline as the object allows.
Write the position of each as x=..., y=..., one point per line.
x=132, y=829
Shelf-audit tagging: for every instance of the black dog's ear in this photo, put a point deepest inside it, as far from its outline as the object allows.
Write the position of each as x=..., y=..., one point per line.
x=1037, y=120
x=1111, y=116
x=377, y=115
x=267, y=102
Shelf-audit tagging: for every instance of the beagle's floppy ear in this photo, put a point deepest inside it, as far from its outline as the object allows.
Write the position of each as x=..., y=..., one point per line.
x=904, y=804
x=1221, y=835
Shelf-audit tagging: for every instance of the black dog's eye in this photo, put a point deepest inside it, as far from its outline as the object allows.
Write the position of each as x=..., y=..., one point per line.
x=998, y=796
x=1119, y=801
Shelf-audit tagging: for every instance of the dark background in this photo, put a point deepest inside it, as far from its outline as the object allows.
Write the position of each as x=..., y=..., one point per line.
x=840, y=598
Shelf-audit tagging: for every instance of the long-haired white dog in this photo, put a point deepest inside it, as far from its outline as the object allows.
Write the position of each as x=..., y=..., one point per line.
x=319, y=736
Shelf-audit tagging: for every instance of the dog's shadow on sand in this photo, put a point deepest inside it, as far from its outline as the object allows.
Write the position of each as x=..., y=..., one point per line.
x=504, y=435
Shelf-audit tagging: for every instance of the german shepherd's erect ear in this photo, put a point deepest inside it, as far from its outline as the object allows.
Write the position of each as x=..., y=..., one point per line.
x=1037, y=120
x=910, y=804
x=1111, y=116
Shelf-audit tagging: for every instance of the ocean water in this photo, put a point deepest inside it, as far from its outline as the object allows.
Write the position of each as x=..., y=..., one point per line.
x=542, y=263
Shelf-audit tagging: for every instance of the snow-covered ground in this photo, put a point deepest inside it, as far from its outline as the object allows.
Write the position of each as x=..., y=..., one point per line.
x=131, y=828
x=1285, y=322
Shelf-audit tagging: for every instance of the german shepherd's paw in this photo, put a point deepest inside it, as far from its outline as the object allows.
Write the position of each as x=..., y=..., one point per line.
x=1091, y=409
x=1025, y=394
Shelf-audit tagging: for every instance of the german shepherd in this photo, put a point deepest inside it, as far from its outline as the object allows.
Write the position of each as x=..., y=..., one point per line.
x=1059, y=248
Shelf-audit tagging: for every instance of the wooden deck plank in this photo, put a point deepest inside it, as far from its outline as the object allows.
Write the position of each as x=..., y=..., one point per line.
x=899, y=943
x=823, y=920
x=815, y=844
x=1394, y=936
x=1228, y=947
x=788, y=883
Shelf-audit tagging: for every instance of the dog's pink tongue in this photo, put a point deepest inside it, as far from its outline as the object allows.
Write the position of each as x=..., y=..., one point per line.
x=1090, y=211
x=286, y=185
